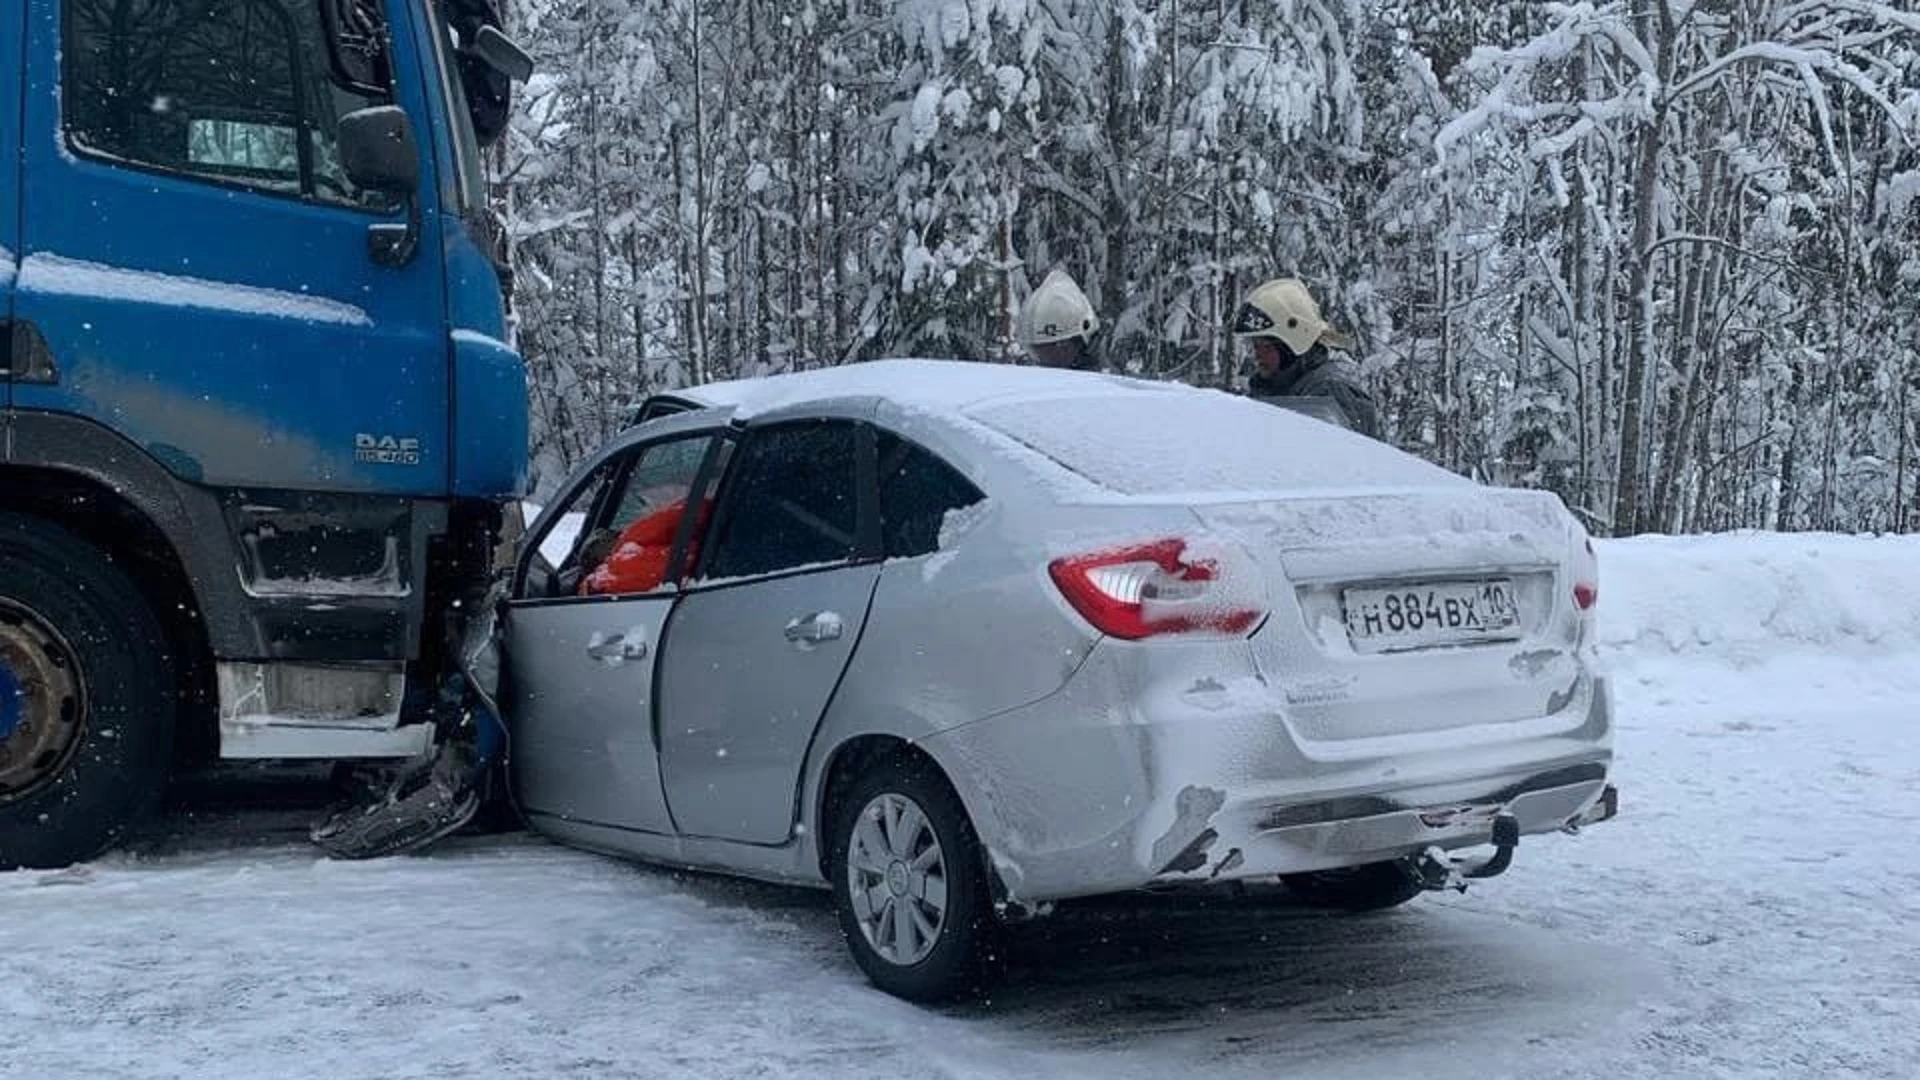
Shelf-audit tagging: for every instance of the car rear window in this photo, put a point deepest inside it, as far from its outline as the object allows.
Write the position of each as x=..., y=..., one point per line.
x=1147, y=443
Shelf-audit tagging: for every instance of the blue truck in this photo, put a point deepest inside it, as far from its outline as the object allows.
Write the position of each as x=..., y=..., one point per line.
x=262, y=432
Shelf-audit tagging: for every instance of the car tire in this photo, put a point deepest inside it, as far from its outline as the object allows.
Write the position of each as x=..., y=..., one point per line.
x=88, y=706
x=1357, y=889
x=904, y=858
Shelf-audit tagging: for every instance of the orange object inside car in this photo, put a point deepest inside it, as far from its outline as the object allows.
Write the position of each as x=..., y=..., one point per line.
x=639, y=560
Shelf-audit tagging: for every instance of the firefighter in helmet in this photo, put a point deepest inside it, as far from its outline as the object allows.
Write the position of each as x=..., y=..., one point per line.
x=1057, y=325
x=1292, y=354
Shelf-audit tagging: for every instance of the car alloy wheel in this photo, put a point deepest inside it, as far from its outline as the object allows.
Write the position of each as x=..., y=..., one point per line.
x=897, y=879
x=910, y=883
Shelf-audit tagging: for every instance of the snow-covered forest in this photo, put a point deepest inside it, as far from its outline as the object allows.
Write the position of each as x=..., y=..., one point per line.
x=1661, y=256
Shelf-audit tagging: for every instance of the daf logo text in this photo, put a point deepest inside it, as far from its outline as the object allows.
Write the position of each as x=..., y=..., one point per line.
x=386, y=450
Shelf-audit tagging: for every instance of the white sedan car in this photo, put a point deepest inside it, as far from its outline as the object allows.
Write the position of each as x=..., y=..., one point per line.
x=961, y=640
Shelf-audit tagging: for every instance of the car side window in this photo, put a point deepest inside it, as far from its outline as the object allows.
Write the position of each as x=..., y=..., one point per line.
x=917, y=492
x=792, y=502
x=560, y=544
x=234, y=91
x=662, y=475
x=616, y=537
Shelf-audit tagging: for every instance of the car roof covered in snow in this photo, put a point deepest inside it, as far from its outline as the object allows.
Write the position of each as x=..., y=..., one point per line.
x=1080, y=435
x=934, y=385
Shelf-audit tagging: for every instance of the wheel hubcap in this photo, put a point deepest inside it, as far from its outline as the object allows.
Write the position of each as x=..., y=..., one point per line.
x=898, y=877
x=41, y=703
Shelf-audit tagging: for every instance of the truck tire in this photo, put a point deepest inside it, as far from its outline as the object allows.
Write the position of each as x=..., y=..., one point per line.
x=86, y=699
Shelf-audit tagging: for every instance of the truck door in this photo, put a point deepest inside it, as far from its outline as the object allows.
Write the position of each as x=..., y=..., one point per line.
x=198, y=263
x=12, y=23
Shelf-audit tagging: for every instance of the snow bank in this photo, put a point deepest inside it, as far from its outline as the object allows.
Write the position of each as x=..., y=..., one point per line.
x=1746, y=597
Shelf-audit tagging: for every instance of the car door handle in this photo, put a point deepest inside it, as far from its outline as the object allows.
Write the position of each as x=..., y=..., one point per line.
x=616, y=648
x=811, y=630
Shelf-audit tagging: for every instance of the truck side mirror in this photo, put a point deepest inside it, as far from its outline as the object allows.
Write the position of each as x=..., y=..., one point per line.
x=503, y=55
x=378, y=152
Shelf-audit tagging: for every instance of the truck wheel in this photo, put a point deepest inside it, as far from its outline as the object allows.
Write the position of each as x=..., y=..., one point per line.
x=1356, y=889
x=86, y=699
x=909, y=884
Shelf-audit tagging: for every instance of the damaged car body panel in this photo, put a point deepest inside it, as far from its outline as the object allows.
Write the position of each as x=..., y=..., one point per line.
x=1150, y=785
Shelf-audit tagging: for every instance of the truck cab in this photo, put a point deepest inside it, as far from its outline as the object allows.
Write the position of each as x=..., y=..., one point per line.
x=262, y=430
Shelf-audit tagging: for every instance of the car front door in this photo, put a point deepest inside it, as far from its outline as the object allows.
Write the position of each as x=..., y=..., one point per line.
x=583, y=634
x=756, y=647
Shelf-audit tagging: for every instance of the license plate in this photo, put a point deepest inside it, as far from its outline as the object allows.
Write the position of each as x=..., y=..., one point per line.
x=1434, y=613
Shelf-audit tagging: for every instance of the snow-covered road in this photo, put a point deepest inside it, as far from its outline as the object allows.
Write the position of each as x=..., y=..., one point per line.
x=1754, y=912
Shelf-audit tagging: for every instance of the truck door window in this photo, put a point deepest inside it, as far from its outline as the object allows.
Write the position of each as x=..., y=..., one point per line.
x=237, y=92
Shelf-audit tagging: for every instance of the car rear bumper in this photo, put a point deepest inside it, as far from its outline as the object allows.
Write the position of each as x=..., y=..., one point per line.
x=1117, y=783
x=1256, y=841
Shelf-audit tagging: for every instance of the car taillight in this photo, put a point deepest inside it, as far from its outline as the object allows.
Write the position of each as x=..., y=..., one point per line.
x=1586, y=589
x=1154, y=589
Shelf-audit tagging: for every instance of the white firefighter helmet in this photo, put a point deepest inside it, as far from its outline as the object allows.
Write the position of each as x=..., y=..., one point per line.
x=1056, y=311
x=1284, y=309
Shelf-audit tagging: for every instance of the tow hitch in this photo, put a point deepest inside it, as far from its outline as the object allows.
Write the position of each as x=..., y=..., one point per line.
x=1435, y=869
